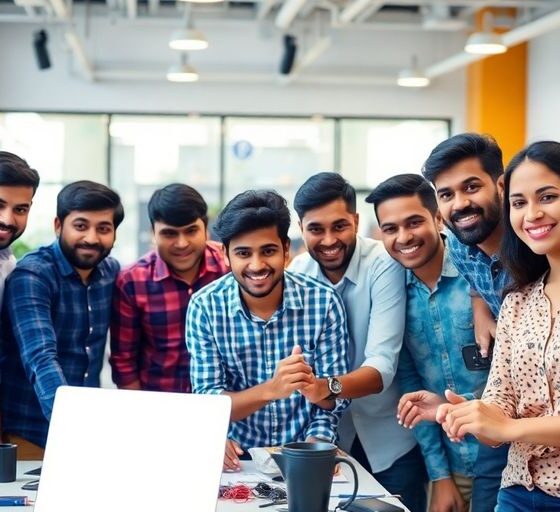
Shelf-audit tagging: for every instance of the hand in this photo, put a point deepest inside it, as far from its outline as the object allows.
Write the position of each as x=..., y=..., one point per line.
x=444, y=409
x=484, y=325
x=485, y=421
x=446, y=497
x=292, y=373
x=317, y=391
x=231, y=457
x=418, y=406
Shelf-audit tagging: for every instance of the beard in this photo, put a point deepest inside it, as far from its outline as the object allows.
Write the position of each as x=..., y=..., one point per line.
x=84, y=262
x=15, y=234
x=333, y=266
x=479, y=232
x=258, y=294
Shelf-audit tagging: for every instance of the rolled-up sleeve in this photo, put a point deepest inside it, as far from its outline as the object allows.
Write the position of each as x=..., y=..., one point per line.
x=387, y=319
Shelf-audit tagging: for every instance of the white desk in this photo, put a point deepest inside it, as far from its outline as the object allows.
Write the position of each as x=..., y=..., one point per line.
x=368, y=485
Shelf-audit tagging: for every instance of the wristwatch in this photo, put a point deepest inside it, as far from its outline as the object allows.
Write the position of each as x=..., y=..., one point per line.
x=335, y=388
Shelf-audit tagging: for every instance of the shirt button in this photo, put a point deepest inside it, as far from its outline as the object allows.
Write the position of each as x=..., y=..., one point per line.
x=86, y=375
x=90, y=330
x=189, y=291
x=89, y=308
x=88, y=349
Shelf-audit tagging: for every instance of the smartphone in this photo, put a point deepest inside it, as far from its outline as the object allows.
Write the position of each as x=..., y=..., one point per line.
x=473, y=360
x=372, y=505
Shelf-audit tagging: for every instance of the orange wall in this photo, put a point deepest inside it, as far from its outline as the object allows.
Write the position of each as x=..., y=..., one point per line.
x=497, y=97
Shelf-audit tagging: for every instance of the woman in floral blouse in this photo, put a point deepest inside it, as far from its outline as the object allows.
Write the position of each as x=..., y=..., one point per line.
x=521, y=402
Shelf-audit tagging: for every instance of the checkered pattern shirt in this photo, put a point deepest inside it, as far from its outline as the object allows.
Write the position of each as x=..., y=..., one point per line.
x=148, y=322
x=233, y=351
x=55, y=329
x=485, y=274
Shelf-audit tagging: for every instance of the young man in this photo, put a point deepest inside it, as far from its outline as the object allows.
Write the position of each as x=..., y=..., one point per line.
x=259, y=333
x=438, y=326
x=372, y=288
x=467, y=173
x=148, y=348
x=18, y=184
x=58, y=301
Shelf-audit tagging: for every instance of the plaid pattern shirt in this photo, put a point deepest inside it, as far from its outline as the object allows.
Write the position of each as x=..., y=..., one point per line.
x=233, y=351
x=148, y=322
x=55, y=331
x=485, y=274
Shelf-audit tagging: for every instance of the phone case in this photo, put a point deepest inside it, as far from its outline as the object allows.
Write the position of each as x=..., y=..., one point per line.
x=473, y=360
x=372, y=505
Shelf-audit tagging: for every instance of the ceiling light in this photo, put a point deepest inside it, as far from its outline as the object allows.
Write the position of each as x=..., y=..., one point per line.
x=182, y=72
x=188, y=39
x=413, y=76
x=485, y=42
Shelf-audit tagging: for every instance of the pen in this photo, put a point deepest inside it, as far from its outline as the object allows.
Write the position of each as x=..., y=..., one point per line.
x=13, y=501
x=363, y=496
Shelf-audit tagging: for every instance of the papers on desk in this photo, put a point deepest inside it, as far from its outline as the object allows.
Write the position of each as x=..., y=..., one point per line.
x=254, y=477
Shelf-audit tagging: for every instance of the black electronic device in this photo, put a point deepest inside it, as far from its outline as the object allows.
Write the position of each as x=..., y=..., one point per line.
x=474, y=360
x=372, y=505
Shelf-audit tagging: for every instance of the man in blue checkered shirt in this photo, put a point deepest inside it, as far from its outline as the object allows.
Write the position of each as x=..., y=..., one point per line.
x=56, y=310
x=261, y=334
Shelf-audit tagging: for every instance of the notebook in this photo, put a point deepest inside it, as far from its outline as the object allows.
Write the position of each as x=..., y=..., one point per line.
x=140, y=451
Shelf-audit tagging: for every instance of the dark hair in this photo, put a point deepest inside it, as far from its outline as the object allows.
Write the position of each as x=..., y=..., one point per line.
x=177, y=205
x=15, y=172
x=252, y=210
x=404, y=185
x=522, y=263
x=321, y=189
x=460, y=147
x=88, y=196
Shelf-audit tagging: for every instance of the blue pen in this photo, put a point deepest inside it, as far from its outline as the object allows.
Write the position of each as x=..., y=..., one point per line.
x=14, y=501
x=361, y=496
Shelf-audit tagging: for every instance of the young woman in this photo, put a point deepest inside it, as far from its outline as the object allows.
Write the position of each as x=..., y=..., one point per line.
x=521, y=402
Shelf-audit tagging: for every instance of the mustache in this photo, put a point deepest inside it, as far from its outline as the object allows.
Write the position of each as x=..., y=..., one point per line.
x=8, y=227
x=469, y=210
x=94, y=247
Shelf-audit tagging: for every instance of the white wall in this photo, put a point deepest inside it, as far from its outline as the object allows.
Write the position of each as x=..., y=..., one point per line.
x=544, y=88
x=23, y=87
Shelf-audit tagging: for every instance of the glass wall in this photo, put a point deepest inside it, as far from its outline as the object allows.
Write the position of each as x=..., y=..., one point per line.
x=218, y=155
x=372, y=150
x=148, y=152
x=63, y=148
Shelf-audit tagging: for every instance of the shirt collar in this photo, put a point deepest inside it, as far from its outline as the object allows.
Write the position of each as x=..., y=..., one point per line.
x=352, y=271
x=66, y=269
x=447, y=268
x=207, y=264
x=6, y=254
x=291, y=299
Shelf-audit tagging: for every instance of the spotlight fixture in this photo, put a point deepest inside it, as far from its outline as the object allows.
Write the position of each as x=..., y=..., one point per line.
x=182, y=72
x=413, y=76
x=289, y=55
x=40, y=39
x=485, y=42
x=188, y=39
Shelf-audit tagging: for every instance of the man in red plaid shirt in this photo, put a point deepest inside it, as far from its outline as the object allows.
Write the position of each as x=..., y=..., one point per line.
x=148, y=349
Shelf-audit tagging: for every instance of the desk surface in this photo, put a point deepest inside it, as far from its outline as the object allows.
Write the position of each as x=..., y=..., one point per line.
x=368, y=485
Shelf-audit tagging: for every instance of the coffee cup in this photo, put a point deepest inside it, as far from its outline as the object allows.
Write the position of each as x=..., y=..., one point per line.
x=8, y=462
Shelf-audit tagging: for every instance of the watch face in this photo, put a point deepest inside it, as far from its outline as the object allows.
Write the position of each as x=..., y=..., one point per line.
x=335, y=386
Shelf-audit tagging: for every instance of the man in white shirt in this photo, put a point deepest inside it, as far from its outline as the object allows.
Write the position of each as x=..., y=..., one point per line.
x=18, y=183
x=372, y=287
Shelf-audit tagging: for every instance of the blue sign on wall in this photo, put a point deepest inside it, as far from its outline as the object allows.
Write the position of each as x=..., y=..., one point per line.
x=242, y=149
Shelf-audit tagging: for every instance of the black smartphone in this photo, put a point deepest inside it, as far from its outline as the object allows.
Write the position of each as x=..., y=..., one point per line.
x=473, y=360
x=372, y=505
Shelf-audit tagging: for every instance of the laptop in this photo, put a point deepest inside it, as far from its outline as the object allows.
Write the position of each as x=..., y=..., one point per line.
x=139, y=451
